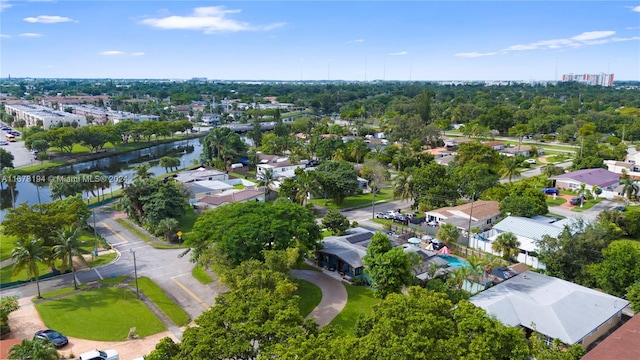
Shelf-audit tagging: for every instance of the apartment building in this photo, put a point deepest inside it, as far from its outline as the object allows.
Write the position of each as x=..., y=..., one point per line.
x=601, y=79
x=32, y=114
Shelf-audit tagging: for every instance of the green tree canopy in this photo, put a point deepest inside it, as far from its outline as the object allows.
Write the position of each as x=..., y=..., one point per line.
x=243, y=230
x=335, y=222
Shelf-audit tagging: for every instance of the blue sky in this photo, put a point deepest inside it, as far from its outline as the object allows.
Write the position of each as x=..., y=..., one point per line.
x=294, y=40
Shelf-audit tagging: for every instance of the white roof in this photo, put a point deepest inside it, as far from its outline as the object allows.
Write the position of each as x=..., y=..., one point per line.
x=527, y=228
x=554, y=307
x=211, y=185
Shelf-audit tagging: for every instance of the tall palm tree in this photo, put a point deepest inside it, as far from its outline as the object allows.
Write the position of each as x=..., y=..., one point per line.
x=307, y=185
x=403, y=186
x=267, y=179
x=448, y=233
x=507, y=244
x=68, y=247
x=358, y=149
x=582, y=191
x=10, y=175
x=26, y=255
x=510, y=168
x=33, y=349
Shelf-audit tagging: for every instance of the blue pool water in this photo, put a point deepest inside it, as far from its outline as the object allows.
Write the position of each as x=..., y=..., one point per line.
x=454, y=261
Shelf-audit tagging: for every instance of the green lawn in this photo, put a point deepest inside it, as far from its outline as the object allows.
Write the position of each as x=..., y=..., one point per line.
x=310, y=296
x=201, y=275
x=304, y=266
x=185, y=223
x=588, y=204
x=113, y=281
x=6, y=245
x=362, y=200
x=133, y=229
x=104, y=314
x=555, y=202
x=361, y=302
x=170, y=308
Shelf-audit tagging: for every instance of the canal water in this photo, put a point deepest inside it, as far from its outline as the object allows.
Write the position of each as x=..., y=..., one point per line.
x=120, y=165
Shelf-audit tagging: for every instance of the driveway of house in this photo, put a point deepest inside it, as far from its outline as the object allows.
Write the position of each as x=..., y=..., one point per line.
x=334, y=295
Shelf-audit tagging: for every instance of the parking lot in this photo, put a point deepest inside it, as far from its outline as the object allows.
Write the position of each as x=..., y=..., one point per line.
x=21, y=155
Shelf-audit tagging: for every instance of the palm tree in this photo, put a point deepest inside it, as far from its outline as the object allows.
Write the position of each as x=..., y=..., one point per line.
x=507, y=244
x=403, y=186
x=358, y=149
x=68, y=247
x=33, y=349
x=26, y=255
x=168, y=226
x=582, y=190
x=142, y=171
x=99, y=182
x=307, y=184
x=448, y=233
x=510, y=168
x=459, y=276
x=630, y=188
x=267, y=178
x=10, y=175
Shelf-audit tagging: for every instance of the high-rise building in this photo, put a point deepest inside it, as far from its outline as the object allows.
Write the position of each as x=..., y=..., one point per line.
x=601, y=79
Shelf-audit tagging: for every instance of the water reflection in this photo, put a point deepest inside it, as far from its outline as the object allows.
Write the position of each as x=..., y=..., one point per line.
x=121, y=165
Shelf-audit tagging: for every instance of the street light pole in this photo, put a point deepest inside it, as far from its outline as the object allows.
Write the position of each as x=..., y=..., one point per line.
x=135, y=271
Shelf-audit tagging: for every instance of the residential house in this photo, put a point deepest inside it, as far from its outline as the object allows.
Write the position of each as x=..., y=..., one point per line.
x=631, y=165
x=211, y=119
x=602, y=178
x=280, y=165
x=200, y=189
x=495, y=145
x=624, y=343
x=528, y=231
x=555, y=308
x=344, y=253
x=227, y=197
x=439, y=152
x=483, y=214
x=522, y=150
x=200, y=174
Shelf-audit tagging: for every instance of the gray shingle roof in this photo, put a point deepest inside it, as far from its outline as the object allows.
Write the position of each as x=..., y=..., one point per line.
x=554, y=307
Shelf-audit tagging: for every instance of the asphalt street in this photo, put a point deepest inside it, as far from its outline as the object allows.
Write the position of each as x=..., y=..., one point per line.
x=21, y=156
x=164, y=266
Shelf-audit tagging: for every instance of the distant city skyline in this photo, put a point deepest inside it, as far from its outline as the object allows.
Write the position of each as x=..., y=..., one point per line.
x=324, y=40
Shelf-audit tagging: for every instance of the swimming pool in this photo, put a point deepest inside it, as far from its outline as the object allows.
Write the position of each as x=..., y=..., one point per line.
x=454, y=261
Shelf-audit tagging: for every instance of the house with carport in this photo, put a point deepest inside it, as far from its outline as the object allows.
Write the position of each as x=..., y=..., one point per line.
x=555, y=308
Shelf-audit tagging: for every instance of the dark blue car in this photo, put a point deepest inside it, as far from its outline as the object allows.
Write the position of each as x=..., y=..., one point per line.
x=551, y=191
x=57, y=339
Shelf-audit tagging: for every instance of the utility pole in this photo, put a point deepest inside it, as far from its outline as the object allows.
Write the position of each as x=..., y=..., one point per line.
x=95, y=234
x=135, y=271
x=473, y=199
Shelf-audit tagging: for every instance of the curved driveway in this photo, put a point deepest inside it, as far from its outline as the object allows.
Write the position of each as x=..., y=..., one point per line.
x=334, y=295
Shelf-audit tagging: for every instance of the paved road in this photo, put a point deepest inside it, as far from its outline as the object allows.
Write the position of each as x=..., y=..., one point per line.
x=164, y=266
x=334, y=295
x=588, y=215
x=535, y=172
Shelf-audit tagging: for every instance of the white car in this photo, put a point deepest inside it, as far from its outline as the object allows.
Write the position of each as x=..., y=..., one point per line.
x=530, y=161
x=100, y=355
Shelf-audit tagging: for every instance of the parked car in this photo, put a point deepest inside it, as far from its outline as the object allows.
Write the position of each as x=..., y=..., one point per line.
x=100, y=355
x=620, y=208
x=6, y=128
x=576, y=200
x=57, y=339
x=551, y=191
x=530, y=161
x=380, y=215
x=4, y=142
x=401, y=219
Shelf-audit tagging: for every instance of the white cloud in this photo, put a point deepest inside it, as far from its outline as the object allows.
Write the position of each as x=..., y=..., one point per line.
x=4, y=36
x=474, y=54
x=636, y=9
x=400, y=53
x=210, y=20
x=356, y=41
x=48, y=19
x=4, y=5
x=140, y=53
x=593, y=35
x=30, y=35
x=112, y=52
